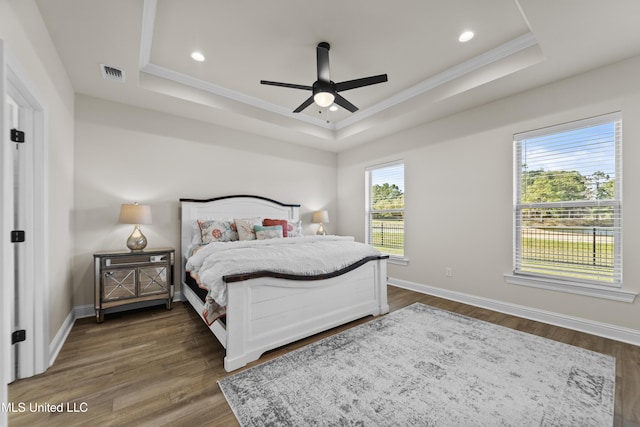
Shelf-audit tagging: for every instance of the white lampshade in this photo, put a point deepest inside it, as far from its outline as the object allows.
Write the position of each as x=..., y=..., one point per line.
x=135, y=214
x=324, y=99
x=320, y=217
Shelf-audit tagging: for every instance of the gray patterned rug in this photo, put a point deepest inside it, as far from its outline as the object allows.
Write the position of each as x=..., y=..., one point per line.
x=421, y=366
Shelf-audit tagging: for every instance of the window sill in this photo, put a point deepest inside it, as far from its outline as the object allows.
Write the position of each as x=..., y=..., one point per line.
x=394, y=259
x=605, y=292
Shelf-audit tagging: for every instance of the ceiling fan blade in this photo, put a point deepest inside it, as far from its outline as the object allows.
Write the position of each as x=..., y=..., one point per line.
x=322, y=56
x=366, y=81
x=289, y=85
x=304, y=105
x=345, y=104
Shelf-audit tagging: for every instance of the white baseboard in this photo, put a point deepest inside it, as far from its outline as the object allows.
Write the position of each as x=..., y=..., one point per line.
x=61, y=336
x=82, y=311
x=618, y=333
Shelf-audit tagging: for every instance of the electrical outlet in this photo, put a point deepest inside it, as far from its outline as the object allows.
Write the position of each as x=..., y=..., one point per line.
x=448, y=271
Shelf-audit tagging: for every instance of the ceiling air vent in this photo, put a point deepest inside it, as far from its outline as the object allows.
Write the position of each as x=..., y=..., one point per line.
x=112, y=73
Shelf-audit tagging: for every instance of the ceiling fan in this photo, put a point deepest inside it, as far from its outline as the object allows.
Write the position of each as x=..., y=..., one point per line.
x=324, y=91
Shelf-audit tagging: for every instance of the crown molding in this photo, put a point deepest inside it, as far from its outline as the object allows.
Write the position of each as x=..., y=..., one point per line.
x=503, y=51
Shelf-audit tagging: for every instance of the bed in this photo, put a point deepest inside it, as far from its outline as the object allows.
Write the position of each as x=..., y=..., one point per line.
x=267, y=309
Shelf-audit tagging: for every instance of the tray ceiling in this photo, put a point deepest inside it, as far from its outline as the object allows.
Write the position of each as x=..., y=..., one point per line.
x=518, y=45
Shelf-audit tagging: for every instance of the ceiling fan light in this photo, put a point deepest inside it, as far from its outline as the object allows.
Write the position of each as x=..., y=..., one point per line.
x=323, y=99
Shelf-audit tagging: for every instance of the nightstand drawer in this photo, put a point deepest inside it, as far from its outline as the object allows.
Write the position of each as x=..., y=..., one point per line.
x=118, y=284
x=152, y=280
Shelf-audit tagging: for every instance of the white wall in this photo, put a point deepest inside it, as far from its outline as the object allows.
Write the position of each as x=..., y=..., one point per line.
x=459, y=192
x=125, y=154
x=25, y=34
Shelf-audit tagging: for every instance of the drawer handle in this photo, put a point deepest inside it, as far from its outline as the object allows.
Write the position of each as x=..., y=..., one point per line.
x=108, y=274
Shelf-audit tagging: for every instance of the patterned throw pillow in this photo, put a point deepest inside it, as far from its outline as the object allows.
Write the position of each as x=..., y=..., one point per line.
x=294, y=228
x=281, y=222
x=245, y=227
x=217, y=231
x=268, y=232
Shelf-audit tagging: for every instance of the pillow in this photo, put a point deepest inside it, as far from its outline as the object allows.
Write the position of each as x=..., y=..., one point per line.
x=281, y=222
x=245, y=228
x=196, y=234
x=268, y=232
x=212, y=230
x=294, y=228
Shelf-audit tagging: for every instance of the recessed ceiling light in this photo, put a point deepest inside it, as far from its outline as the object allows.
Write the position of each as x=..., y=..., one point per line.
x=197, y=56
x=334, y=107
x=466, y=36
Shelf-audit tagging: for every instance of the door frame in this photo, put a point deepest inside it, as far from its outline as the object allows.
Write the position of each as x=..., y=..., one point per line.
x=6, y=250
x=34, y=302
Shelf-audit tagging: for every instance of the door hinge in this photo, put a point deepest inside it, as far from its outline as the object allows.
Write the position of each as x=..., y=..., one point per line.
x=17, y=236
x=17, y=135
x=18, y=336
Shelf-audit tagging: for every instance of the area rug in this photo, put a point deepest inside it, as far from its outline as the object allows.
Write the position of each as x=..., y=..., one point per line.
x=422, y=366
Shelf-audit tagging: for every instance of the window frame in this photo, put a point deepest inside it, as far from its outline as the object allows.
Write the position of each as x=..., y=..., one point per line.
x=610, y=290
x=393, y=258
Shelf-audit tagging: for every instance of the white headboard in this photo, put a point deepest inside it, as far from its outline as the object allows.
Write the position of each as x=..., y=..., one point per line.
x=229, y=207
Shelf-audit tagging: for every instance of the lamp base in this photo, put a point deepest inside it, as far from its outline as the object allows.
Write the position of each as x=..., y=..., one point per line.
x=321, y=231
x=136, y=242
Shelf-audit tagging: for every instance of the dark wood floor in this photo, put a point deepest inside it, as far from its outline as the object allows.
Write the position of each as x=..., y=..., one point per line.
x=157, y=367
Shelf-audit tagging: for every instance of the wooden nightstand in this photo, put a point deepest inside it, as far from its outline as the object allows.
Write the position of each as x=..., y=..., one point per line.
x=125, y=277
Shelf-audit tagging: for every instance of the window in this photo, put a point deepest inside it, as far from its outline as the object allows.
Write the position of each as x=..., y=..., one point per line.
x=385, y=208
x=568, y=202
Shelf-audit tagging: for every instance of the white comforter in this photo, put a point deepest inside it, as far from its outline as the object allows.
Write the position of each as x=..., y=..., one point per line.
x=307, y=255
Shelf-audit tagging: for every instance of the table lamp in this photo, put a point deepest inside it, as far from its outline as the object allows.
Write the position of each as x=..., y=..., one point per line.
x=135, y=214
x=320, y=217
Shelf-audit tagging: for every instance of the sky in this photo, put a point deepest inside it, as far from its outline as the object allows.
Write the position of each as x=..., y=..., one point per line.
x=586, y=150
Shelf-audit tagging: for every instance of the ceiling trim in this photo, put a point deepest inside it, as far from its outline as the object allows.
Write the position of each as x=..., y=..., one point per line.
x=498, y=53
x=505, y=50
x=195, y=83
x=148, y=24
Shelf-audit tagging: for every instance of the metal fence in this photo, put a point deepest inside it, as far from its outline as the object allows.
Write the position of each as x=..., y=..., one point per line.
x=386, y=234
x=588, y=246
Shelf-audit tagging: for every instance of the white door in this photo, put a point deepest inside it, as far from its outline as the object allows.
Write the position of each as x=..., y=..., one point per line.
x=19, y=125
x=24, y=213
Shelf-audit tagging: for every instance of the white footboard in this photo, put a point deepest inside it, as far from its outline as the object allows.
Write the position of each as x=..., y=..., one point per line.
x=266, y=313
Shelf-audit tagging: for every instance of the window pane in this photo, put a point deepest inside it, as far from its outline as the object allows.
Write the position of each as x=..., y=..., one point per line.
x=574, y=243
x=573, y=165
x=388, y=187
x=385, y=210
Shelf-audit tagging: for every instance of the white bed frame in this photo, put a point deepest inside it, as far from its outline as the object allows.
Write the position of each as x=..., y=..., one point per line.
x=264, y=313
